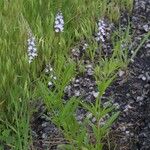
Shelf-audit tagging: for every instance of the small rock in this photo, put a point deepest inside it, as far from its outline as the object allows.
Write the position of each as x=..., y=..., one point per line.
x=139, y=98
x=147, y=76
x=127, y=107
x=76, y=85
x=146, y=28
x=49, y=129
x=44, y=136
x=123, y=128
x=91, y=88
x=34, y=134
x=121, y=73
x=143, y=135
x=143, y=78
x=77, y=81
x=148, y=45
x=45, y=124
x=128, y=94
x=132, y=60
x=127, y=132
x=77, y=93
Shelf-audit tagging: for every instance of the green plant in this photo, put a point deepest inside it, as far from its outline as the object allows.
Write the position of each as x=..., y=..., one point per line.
x=76, y=134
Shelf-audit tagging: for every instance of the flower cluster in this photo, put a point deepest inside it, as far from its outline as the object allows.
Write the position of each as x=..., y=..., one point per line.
x=101, y=34
x=49, y=71
x=59, y=22
x=78, y=52
x=84, y=47
x=32, y=50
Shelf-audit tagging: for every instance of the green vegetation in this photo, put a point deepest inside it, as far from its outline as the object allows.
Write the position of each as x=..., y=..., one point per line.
x=23, y=82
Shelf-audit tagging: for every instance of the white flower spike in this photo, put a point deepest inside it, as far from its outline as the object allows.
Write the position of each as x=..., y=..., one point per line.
x=59, y=22
x=32, y=51
x=100, y=36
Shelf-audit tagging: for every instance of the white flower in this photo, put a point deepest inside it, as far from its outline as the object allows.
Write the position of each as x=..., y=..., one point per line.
x=56, y=22
x=100, y=36
x=50, y=72
x=32, y=51
x=54, y=78
x=50, y=83
x=48, y=69
x=33, y=54
x=56, y=30
x=85, y=46
x=59, y=22
x=51, y=69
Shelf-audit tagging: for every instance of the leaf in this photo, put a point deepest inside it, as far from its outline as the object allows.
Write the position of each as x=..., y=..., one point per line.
x=65, y=147
x=110, y=122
